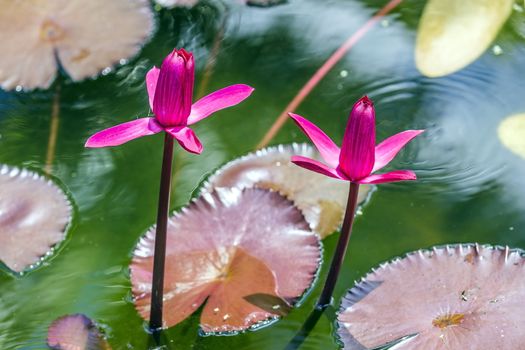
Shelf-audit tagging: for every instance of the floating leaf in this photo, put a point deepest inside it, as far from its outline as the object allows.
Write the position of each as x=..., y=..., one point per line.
x=452, y=34
x=321, y=199
x=226, y=247
x=453, y=297
x=34, y=214
x=270, y=303
x=75, y=332
x=85, y=36
x=511, y=132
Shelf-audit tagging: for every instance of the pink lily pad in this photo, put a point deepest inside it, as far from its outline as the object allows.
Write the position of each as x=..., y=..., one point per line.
x=85, y=36
x=224, y=250
x=321, y=199
x=75, y=332
x=34, y=215
x=453, y=297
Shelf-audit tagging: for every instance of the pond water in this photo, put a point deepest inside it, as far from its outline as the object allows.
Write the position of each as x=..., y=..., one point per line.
x=470, y=187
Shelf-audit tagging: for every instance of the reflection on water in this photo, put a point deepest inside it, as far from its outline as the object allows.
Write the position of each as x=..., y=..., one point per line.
x=471, y=188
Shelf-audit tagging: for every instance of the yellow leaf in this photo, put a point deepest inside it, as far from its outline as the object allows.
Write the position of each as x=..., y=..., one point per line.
x=511, y=132
x=454, y=33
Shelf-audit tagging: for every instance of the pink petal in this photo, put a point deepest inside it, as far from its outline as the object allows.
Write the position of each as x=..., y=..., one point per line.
x=393, y=176
x=316, y=166
x=220, y=99
x=327, y=148
x=388, y=149
x=174, y=90
x=151, y=83
x=122, y=133
x=357, y=151
x=186, y=138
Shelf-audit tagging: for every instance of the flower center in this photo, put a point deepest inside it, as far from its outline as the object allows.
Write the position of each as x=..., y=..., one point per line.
x=51, y=31
x=448, y=320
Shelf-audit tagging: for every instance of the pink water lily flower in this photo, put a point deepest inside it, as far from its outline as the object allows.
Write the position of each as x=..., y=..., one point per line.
x=358, y=156
x=170, y=91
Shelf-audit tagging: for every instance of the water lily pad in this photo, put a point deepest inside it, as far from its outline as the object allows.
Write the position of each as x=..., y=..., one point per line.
x=453, y=297
x=452, y=34
x=85, y=36
x=321, y=199
x=75, y=332
x=34, y=214
x=226, y=249
x=511, y=132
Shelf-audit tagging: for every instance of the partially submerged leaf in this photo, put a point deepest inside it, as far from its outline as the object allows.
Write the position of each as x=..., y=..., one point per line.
x=321, y=199
x=270, y=303
x=452, y=34
x=225, y=247
x=85, y=36
x=511, y=132
x=34, y=214
x=452, y=297
x=75, y=332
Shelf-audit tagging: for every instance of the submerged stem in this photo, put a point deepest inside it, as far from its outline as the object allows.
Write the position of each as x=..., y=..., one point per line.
x=157, y=287
x=323, y=70
x=340, y=250
x=53, y=131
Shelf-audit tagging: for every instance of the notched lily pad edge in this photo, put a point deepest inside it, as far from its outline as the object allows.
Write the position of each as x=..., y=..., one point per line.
x=364, y=286
x=295, y=303
x=49, y=180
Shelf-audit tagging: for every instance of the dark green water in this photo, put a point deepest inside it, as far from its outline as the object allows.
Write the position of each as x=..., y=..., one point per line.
x=470, y=188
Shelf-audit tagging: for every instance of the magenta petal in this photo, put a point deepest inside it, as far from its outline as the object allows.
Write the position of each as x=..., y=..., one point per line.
x=327, y=148
x=316, y=166
x=357, y=151
x=151, y=83
x=186, y=138
x=393, y=176
x=174, y=90
x=122, y=133
x=220, y=99
x=388, y=149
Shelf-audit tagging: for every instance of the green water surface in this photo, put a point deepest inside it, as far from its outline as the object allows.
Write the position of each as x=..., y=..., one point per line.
x=470, y=188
